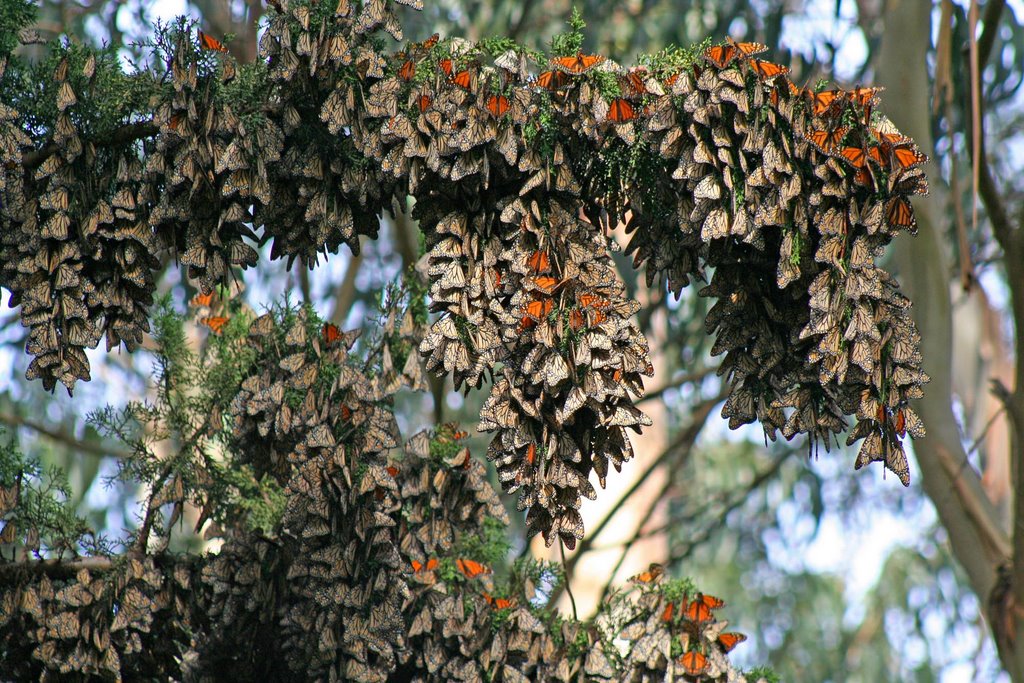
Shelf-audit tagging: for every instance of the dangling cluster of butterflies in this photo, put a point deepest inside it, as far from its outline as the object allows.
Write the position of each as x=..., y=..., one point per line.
x=528, y=283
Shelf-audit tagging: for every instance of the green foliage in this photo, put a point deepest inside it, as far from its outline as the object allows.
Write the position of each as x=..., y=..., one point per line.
x=673, y=58
x=570, y=42
x=491, y=546
x=43, y=520
x=764, y=673
x=258, y=503
x=14, y=16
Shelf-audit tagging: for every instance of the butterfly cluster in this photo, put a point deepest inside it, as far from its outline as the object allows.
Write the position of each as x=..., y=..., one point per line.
x=75, y=247
x=674, y=634
x=721, y=169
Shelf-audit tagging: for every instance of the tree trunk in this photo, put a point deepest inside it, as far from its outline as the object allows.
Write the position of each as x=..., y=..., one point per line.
x=976, y=536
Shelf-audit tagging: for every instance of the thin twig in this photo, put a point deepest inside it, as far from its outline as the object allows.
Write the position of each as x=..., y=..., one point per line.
x=62, y=436
x=676, y=382
x=568, y=588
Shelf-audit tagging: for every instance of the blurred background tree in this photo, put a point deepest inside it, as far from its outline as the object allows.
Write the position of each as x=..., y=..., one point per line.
x=835, y=576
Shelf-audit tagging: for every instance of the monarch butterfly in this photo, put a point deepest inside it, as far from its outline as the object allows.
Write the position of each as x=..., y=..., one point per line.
x=215, y=323
x=471, y=568
x=855, y=155
x=768, y=70
x=408, y=70
x=826, y=141
x=617, y=375
x=430, y=42
x=823, y=101
x=864, y=96
x=728, y=641
x=635, y=82
x=539, y=262
x=446, y=66
x=875, y=153
x=700, y=609
x=667, y=614
x=907, y=157
x=653, y=573
x=576, y=320
x=553, y=80
x=901, y=424
x=497, y=105
x=499, y=603
x=620, y=111
x=900, y=214
x=392, y=470
x=531, y=453
x=694, y=663
x=578, y=64
x=463, y=79
x=419, y=567
x=424, y=103
x=890, y=137
x=536, y=309
x=588, y=300
x=175, y=122
x=202, y=300
x=208, y=42
x=346, y=413
x=545, y=283
x=330, y=333
x=453, y=429
x=722, y=55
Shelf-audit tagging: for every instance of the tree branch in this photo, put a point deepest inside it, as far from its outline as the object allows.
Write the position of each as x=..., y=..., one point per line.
x=126, y=133
x=62, y=436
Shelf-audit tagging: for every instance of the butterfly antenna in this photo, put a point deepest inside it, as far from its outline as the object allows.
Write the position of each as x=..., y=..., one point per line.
x=568, y=588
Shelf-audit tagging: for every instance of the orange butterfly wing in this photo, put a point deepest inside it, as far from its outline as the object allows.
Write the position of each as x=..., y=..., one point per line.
x=768, y=70
x=822, y=101
x=446, y=66
x=471, y=568
x=901, y=424
x=407, y=71
x=432, y=564
x=208, y=42
x=431, y=41
x=215, y=323
x=463, y=79
x=710, y=601
x=698, y=612
x=621, y=111
x=202, y=299
x=694, y=663
x=578, y=64
x=424, y=103
x=545, y=283
x=720, y=55
x=330, y=333
x=497, y=105
x=749, y=49
x=667, y=614
x=908, y=158
x=828, y=140
x=855, y=155
x=900, y=214
x=539, y=262
x=728, y=641
x=653, y=573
